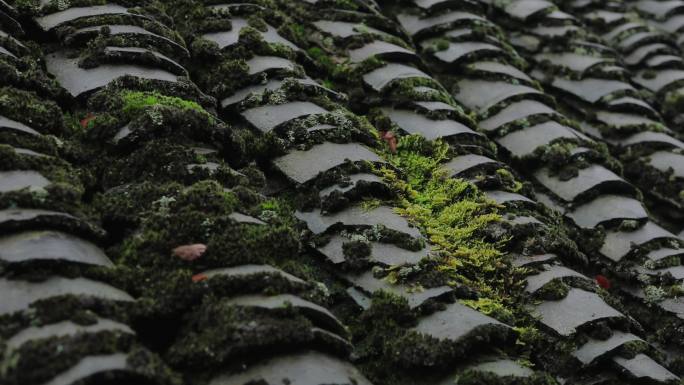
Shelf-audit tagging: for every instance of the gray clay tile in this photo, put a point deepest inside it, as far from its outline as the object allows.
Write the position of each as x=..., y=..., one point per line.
x=658, y=8
x=268, y=117
x=454, y=323
x=56, y=19
x=591, y=90
x=246, y=270
x=414, y=24
x=502, y=197
x=344, y=29
x=381, y=77
x=243, y=93
x=523, y=142
x=260, y=64
x=458, y=50
x=133, y=30
x=462, y=163
x=385, y=253
x=17, y=180
x=533, y=260
x=350, y=183
x=643, y=366
x=483, y=94
x=375, y=48
x=312, y=310
x=50, y=245
x=89, y=366
x=618, y=243
x=514, y=111
x=665, y=161
x=522, y=9
x=587, y=179
x=638, y=55
x=227, y=38
x=358, y=216
x=64, y=328
x=573, y=61
x=18, y=295
x=576, y=309
x=303, y=166
x=500, y=68
x=605, y=208
x=594, y=349
x=242, y=218
x=18, y=126
x=536, y=282
x=415, y=123
x=78, y=80
x=370, y=284
x=662, y=78
x=305, y=368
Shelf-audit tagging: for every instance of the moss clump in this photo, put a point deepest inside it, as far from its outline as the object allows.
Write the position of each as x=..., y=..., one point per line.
x=453, y=213
x=135, y=101
x=219, y=333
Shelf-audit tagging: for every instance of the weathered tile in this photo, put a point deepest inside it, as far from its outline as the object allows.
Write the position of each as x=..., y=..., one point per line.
x=431, y=129
x=483, y=94
x=618, y=243
x=70, y=14
x=576, y=309
x=50, y=245
x=303, y=166
x=312, y=310
x=247, y=270
x=415, y=298
x=466, y=162
x=304, y=368
x=594, y=349
x=376, y=48
x=268, y=117
x=414, y=24
x=78, y=80
x=358, y=216
x=385, y=253
x=665, y=161
x=260, y=64
x=587, y=179
x=90, y=366
x=591, y=90
x=455, y=323
x=537, y=281
x=18, y=126
x=227, y=38
x=17, y=180
x=18, y=295
x=515, y=111
x=64, y=328
x=345, y=29
x=643, y=366
x=459, y=50
x=381, y=77
x=530, y=260
x=605, y=208
x=524, y=142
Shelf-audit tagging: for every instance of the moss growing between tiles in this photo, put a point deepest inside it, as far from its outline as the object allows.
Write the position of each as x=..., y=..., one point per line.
x=135, y=101
x=453, y=213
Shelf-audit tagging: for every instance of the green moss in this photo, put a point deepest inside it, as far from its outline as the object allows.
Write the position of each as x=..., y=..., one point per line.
x=451, y=212
x=135, y=101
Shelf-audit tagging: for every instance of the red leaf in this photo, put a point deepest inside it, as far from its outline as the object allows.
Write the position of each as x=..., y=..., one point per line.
x=602, y=281
x=199, y=277
x=86, y=120
x=190, y=252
